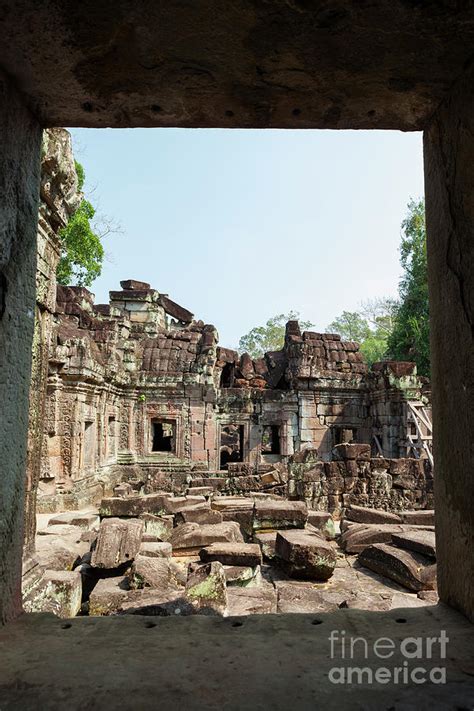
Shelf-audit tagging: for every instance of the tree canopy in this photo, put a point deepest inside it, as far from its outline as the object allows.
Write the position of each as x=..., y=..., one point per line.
x=370, y=327
x=409, y=338
x=82, y=253
x=271, y=336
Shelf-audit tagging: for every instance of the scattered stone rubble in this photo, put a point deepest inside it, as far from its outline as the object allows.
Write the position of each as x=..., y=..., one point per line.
x=264, y=555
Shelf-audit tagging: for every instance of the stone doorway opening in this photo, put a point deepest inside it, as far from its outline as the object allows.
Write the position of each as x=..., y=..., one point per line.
x=163, y=436
x=232, y=445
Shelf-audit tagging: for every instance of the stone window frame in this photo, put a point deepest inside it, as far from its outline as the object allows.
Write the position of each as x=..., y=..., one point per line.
x=239, y=420
x=157, y=413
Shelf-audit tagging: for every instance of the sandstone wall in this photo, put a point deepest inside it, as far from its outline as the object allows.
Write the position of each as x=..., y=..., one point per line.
x=354, y=477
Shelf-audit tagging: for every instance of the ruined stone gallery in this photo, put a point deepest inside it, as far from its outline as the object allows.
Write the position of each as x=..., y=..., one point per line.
x=168, y=474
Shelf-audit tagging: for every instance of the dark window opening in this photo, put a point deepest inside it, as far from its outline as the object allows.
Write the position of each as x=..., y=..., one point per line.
x=232, y=445
x=343, y=435
x=111, y=440
x=227, y=375
x=89, y=442
x=271, y=439
x=163, y=436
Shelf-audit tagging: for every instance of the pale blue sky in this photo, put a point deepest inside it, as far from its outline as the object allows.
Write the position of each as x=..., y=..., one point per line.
x=238, y=226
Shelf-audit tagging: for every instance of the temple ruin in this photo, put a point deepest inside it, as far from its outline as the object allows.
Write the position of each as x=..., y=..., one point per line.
x=339, y=64
x=138, y=415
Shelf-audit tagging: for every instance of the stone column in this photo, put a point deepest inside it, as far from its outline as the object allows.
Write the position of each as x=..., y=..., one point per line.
x=449, y=186
x=20, y=149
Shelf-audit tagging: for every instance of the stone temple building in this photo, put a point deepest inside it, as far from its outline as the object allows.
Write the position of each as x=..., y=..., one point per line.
x=141, y=385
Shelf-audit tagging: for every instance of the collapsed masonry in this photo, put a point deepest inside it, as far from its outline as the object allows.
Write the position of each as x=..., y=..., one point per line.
x=213, y=483
x=139, y=389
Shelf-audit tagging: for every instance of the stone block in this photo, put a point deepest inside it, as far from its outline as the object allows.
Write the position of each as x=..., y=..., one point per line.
x=273, y=514
x=59, y=592
x=159, y=526
x=199, y=513
x=267, y=542
x=424, y=517
x=412, y=570
x=240, y=554
x=352, y=451
x=305, y=555
x=75, y=518
x=156, y=549
x=147, y=572
x=108, y=596
x=193, y=537
x=322, y=522
x=363, y=514
x=206, y=588
x=243, y=576
x=419, y=541
x=302, y=598
x=118, y=542
x=251, y=601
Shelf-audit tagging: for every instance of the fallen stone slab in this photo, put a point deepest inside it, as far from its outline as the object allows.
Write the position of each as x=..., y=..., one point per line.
x=323, y=522
x=205, y=491
x=133, y=506
x=74, y=518
x=60, y=529
x=267, y=542
x=199, y=513
x=108, y=596
x=260, y=600
x=273, y=515
x=305, y=555
x=425, y=517
x=241, y=554
x=411, y=570
x=430, y=596
x=118, y=542
x=123, y=489
x=59, y=592
x=158, y=549
x=156, y=603
x=407, y=600
x=359, y=536
x=61, y=553
x=193, y=537
x=159, y=526
x=148, y=572
x=362, y=514
x=206, y=588
x=242, y=576
x=362, y=600
x=301, y=597
x=419, y=541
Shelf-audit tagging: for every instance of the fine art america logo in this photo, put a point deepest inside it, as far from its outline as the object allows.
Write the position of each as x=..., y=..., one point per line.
x=412, y=660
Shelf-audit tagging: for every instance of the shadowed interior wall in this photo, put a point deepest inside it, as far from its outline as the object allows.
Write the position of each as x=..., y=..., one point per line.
x=19, y=192
x=449, y=186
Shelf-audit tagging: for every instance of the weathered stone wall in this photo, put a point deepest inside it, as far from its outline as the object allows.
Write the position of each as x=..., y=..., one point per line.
x=354, y=477
x=59, y=197
x=19, y=192
x=116, y=369
x=449, y=180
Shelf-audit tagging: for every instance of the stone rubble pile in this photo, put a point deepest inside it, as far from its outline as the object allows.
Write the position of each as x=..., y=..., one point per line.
x=204, y=553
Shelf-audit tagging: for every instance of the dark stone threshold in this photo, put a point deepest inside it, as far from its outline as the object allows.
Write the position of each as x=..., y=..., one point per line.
x=257, y=662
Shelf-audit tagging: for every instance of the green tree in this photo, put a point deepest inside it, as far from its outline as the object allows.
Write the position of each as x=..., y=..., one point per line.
x=370, y=327
x=351, y=326
x=270, y=337
x=409, y=339
x=82, y=253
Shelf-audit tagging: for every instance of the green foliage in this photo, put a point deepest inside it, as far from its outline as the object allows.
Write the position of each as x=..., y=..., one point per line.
x=370, y=327
x=82, y=252
x=81, y=176
x=351, y=326
x=270, y=337
x=409, y=339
